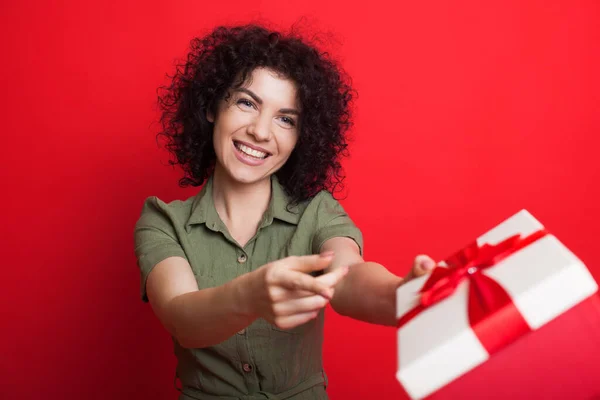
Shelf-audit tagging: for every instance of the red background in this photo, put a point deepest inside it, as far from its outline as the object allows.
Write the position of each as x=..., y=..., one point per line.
x=468, y=112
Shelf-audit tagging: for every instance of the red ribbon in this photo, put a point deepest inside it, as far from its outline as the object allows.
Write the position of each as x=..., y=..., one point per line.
x=493, y=316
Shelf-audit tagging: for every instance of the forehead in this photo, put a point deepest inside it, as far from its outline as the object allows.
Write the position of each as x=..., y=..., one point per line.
x=272, y=87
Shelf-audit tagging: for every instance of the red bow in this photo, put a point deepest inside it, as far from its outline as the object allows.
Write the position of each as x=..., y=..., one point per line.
x=492, y=314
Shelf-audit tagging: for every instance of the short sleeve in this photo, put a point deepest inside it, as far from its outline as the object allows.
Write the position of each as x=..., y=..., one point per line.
x=333, y=221
x=155, y=239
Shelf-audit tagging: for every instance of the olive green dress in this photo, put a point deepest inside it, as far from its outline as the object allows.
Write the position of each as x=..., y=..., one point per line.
x=261, y=361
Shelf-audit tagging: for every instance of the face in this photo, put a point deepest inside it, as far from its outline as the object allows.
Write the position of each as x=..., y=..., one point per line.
x=256, y=128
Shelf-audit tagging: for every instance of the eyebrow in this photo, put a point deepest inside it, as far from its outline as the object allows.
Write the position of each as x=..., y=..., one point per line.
x=259, y=101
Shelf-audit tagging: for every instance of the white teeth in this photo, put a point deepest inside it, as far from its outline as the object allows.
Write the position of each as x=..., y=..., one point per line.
x=251, y=152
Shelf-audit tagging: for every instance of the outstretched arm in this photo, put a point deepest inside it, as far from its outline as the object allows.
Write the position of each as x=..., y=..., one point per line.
x=368, y=292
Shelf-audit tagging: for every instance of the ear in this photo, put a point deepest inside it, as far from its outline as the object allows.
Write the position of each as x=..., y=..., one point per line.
x=210, y=117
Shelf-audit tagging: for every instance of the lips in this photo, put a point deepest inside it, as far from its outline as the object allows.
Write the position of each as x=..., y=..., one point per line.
x=250, y=156
x=251, y=151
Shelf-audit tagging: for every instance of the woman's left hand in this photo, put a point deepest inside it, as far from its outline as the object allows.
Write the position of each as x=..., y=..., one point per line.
x=421, y=265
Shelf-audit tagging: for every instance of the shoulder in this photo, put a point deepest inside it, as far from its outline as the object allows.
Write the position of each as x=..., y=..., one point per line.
x=322, y=198
x=332, y=221
x=153, y=203
x=327, y=204
x=322, y=208
x=157, y=211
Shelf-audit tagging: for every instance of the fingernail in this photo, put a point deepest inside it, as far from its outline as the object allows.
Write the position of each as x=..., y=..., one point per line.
x=427, y=264
x=327, y=254
x=327, y=293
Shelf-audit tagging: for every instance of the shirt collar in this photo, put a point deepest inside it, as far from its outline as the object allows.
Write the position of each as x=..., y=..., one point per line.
x=203, y=208
x=279, y=207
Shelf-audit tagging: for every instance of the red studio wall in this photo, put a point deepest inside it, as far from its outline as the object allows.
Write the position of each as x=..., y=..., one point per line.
x=467, y=112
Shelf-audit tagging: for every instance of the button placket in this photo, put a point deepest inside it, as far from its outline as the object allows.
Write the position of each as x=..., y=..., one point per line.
x=242, y=258
x=247, y=365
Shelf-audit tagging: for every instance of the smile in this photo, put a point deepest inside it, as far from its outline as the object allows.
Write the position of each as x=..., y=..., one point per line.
x=259, y=155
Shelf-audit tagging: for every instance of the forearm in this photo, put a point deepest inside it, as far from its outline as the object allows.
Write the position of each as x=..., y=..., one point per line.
x=209, y=316
x=368, y=293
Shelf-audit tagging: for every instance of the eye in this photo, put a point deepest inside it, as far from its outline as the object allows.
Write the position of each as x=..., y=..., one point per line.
x=245, y=103
x=288, y=121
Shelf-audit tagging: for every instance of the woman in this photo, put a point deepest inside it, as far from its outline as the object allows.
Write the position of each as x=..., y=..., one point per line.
x=240, y=273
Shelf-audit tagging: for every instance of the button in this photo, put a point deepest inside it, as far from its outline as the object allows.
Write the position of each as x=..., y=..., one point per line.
x=247, y=367
x=242, y=331
x=242, y=258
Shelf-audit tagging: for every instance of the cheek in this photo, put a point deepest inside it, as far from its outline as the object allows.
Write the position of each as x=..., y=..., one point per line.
x=230, y=119
x=216, y=139
x=222, y=131
x=288, y=143
x=220, y=141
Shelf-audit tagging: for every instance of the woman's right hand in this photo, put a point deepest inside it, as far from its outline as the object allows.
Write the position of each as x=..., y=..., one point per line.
x=284, y=294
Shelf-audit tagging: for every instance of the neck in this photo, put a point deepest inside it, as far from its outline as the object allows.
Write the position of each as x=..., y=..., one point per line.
x=240, y=203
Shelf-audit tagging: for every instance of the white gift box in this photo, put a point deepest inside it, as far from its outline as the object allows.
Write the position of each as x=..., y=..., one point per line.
x=437, y=346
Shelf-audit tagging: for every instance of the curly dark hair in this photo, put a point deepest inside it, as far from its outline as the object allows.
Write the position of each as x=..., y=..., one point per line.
x=224, y=59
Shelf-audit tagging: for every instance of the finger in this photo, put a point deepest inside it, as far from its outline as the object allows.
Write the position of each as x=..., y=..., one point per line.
x=422, y=265
x=332, y=278
x=295, y=280
x=315, y=262
x=292, y=321
x=280, y=294
x=299, y=294
x=300, y=305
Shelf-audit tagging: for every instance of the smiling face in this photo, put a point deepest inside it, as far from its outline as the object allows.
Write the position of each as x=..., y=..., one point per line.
x=256, y=128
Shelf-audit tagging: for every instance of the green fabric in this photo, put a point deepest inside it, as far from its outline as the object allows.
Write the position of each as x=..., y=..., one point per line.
x=279, y=359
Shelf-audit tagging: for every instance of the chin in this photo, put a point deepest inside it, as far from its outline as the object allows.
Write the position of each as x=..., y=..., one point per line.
x=248, y=177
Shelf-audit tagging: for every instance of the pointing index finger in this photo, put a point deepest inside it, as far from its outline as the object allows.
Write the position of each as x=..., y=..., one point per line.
x=299, y=281
x=311, y=263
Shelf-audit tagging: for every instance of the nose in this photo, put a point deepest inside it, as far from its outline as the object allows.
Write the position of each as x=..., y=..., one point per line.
x=260, y=128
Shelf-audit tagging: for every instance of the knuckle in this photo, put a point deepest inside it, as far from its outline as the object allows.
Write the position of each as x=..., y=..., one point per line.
x=275, y=310
x=296, y=283
x=280, y=323
x=272, y=294
x=271, y=275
